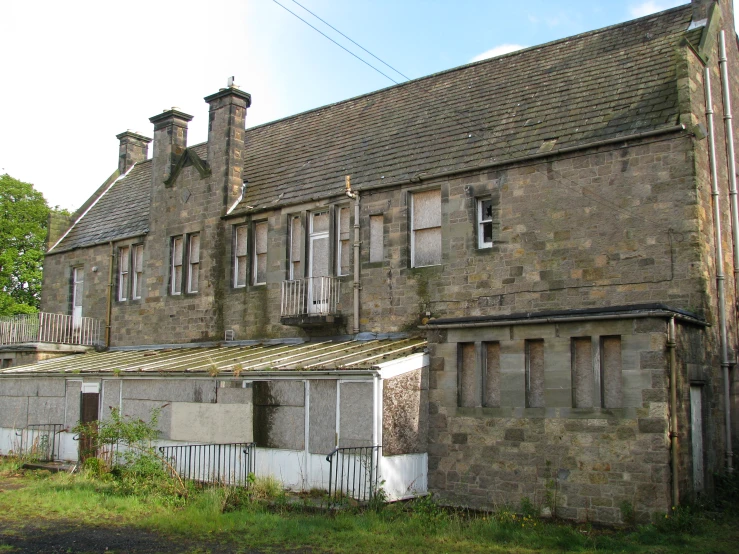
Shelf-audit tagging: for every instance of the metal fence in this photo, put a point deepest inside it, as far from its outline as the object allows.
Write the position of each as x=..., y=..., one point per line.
x=46, y=327
x=314, y=295
x=353, y=473
x=40, y=442
x=227, y=464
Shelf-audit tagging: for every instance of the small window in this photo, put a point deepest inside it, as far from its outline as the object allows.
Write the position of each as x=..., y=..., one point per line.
x=138, y=271
x=376, y=238
x=534, y=373
x=124, y=257
x=240, y=251
x=583, y=378
x=193, y=263
x=259, y=276
x=6, y=363
x=296, y=247
x=491, y=374
x=426, y=228
x=485, y=223
x=176, y=273
x=610, y=372
x=343, y=248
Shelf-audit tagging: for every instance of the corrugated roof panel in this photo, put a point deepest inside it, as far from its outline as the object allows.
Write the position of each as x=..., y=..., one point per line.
x=227, y=359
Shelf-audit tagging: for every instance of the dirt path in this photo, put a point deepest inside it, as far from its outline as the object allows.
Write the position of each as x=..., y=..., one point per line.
x=71, y=538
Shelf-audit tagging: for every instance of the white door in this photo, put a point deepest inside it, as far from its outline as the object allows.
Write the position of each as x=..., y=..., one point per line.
x=318, y=266
x=78, y=283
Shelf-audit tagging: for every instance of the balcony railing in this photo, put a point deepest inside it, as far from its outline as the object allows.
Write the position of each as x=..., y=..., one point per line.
x=312, y=296
x=45, y=327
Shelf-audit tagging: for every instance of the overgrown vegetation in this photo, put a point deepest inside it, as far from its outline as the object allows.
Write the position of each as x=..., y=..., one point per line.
x=264, y=516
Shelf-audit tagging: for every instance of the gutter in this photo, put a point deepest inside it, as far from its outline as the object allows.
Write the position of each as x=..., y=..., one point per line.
x=564, y=319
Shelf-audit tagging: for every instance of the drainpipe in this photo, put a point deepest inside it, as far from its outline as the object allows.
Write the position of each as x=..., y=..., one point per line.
x=731, y=162
x=671, y=343
x=110, y=296
x=357, y=285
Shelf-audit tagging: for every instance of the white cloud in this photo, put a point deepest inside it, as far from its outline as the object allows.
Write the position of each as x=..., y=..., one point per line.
x=652, y=6
x=497, y=51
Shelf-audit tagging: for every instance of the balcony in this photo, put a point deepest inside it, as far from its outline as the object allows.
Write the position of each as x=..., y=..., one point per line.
x=310, y=302
x=53, y=328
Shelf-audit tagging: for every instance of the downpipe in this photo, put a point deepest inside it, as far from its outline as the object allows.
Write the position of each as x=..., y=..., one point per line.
x=357, y=243
x=731, y=170
x=671, y=344
x=109, y=306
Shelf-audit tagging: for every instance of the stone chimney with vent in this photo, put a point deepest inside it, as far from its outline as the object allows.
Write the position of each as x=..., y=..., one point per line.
x=226, y=123
x=134, y=148
x=170, y=141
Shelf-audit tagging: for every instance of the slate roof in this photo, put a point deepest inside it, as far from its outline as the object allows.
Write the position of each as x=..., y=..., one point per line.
x=603, y=84
x=233, y=360
x=121, y=211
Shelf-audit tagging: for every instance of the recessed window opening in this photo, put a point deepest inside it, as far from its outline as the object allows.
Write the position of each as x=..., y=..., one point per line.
x=296, y=247
x=485, y=223
x=176, y=273
x=343, y=246
x=376, y=238
x=138, y=271
x=240, y=253
x=426, y=228
x=123, y=272
x=193, y=263
x=259, y=274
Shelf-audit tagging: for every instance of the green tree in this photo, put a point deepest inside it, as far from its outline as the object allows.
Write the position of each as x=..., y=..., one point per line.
x=24, y=214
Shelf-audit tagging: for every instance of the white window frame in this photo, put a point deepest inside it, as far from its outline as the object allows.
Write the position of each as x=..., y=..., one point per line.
x=193, y=263
x=297, y=247
x=482, y=221
x=257, y=253
x=175, y=286
x=240, y=260
x=414, y=229
x=124, y=272
x=345, y=243
x=137, y=270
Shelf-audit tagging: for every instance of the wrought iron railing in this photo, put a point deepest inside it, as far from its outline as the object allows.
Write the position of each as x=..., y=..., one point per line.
x=311, y=296
x=226, y=464
x=40, y=442
x=46, y=327
x=353, y=473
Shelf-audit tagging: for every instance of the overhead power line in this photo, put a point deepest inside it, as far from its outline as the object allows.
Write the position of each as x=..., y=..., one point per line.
x=336, y=43
x=352, y=41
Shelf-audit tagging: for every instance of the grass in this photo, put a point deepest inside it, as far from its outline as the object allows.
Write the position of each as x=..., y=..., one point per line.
x=235, y=518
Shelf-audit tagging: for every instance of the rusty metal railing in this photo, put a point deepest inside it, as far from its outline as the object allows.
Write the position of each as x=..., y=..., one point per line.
x=226, y=464
x=353, y=473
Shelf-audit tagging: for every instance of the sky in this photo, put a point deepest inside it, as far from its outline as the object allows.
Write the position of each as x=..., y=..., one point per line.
x=75, y=74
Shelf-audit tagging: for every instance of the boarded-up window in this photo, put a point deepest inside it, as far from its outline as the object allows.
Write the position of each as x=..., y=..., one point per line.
x=138, y=271
x=469, y=390
x=582, y=372
x=296, y=247
x=610, y=371
x=343, y=247
x=491, y=374
x=376, y=238
x=240, y=251
x=534, y=373
x=426, y=228
x=124, y=257
x=193, y=263
x=260, y=253
x=176, y=278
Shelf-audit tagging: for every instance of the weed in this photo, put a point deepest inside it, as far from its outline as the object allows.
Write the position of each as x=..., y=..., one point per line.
x=426, y=508
x=628, y=514
x=265, y=488
x=681, y=519
x=527, y=508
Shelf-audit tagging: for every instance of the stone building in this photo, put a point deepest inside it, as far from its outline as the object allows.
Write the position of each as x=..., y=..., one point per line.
x=557, y=223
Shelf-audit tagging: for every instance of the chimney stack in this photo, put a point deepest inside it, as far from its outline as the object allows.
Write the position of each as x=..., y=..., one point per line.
x=701, y=8
x=170, y=141
x=226, y=124
x=134, y=148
